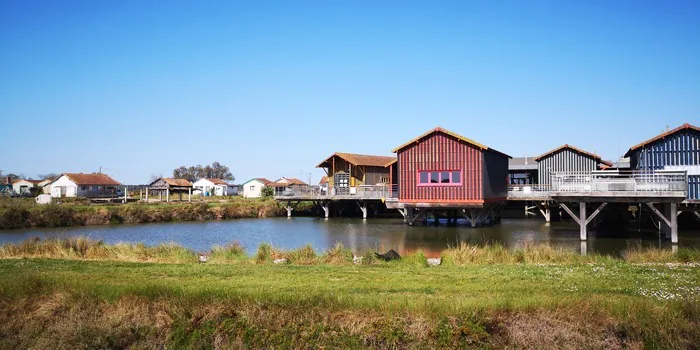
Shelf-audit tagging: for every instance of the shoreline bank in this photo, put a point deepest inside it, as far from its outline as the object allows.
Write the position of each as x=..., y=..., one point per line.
x=580, y=305
x=17, y=215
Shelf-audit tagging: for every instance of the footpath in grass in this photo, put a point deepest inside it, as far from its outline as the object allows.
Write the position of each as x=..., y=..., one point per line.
x=480, y=297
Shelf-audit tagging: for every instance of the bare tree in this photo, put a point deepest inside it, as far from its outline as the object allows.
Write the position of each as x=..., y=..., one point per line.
x=49, y=176
x=155, y=177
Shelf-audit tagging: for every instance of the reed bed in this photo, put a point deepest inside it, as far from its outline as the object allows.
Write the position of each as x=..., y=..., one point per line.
x=83, y=248
x=22, y=214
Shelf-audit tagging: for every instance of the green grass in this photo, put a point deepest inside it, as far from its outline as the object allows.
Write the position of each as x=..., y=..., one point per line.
x=629, y=298
x=480, y=297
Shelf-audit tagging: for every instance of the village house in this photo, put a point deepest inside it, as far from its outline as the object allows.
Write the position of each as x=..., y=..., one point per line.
x=84, y=185
x=323, y=184
x=286, y=184
x=253, y=187
x=348, y=172
x=23, y=187
x=214, y=187
x=42, y=184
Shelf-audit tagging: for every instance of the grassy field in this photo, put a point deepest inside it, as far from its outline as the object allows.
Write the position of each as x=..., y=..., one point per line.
x=483, y=297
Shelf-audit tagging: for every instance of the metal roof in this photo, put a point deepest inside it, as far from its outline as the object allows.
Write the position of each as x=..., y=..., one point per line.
x=575, y=149
x=661, y=136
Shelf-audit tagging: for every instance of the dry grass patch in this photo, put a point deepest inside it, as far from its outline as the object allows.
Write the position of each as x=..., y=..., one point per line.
x=82, y=248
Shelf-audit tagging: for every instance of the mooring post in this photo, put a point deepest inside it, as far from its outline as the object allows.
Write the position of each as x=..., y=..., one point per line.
x=582, y=220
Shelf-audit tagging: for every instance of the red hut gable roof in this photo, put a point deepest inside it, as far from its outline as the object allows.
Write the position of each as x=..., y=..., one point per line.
x=449, y=133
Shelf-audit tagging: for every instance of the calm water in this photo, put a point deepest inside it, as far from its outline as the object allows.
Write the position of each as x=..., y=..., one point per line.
x=373, y=234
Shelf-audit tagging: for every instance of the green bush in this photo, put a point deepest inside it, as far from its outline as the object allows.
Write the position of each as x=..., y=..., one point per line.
x=266, y=192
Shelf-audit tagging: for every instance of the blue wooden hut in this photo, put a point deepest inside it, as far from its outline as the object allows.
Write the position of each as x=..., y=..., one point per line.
x=677, y=149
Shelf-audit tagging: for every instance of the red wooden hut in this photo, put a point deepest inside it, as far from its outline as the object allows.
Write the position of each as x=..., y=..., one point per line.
x=443, y=170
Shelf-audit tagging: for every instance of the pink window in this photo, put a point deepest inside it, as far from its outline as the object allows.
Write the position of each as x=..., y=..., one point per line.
x=440, y=178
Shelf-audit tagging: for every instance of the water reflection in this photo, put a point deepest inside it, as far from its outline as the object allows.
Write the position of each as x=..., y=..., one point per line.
x=360, y=236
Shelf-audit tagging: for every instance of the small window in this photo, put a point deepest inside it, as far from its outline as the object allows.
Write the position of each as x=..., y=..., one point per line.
x=424, y=177
x=252, y=188
x=384, y=180
x=445, y=177
x=434, y=177
x=440, y=178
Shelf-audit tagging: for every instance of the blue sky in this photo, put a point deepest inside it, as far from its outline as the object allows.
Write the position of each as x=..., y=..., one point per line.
x=270, y=88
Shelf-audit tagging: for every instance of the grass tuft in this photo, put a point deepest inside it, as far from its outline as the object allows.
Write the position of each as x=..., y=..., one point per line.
x=230, y=253
x=305, y=255
x=337, y=255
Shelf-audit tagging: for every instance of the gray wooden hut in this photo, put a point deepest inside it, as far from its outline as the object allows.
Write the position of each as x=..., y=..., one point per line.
x=167, y=186
x=567, y=158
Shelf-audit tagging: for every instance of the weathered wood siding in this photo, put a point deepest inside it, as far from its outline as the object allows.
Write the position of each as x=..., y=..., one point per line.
x=564, y=160
x=374, y=174
x=442, y=152
x=359, y=175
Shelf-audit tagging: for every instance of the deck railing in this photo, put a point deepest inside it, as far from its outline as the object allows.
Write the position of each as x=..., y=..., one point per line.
x=628, y=182
x=529, y=191
x=359, y=192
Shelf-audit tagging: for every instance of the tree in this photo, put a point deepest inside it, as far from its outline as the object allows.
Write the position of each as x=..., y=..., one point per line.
x=49, y=176
x=155, y=177
x=267, y=192
x=214, y=171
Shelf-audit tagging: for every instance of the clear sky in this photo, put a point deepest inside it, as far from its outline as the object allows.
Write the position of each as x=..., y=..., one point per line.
x=271, y=88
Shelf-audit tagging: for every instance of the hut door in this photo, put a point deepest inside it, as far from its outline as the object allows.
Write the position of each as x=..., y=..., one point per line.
x=341, y=181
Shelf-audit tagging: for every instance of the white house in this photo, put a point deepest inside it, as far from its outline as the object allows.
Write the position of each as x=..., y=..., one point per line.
x=84, y=185
x=23, y=187
x=43, y=185
x=323, y=185
x=285, y=184
x=253, y=187
x=214, y=187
